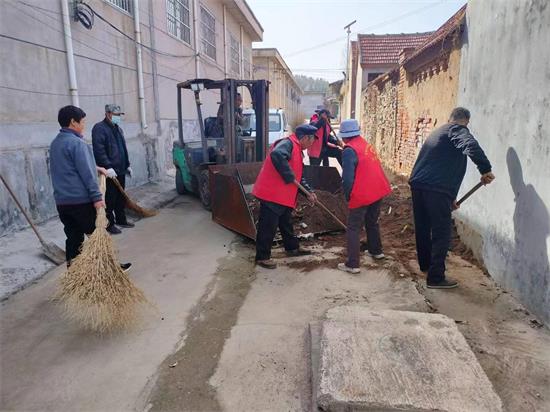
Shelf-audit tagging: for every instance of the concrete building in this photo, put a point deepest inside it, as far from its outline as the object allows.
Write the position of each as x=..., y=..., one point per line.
x=49, y=62
x=504, y=78
x=312, y=101
x=284, y=92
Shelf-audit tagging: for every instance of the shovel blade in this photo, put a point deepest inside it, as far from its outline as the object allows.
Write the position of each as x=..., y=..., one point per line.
x=54, y=253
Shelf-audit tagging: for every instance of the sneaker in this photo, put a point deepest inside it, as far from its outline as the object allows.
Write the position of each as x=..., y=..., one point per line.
x=447, y=283
x=344, y=268
x=125, y=267
x=113, y=230
x=126, y=225
x=377, y=256
x=298, y=252
x=267, y=263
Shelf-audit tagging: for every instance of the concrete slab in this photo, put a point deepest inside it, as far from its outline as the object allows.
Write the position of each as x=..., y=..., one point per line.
x=385, y=360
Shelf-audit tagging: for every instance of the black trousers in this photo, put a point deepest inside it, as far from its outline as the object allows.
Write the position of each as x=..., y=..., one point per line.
x=78, y=220
x=268, y=223
x=115, y=202
x=325, y=154
x=432, y=225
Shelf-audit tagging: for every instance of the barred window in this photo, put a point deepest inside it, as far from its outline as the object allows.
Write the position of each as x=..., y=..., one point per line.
x=235, y=55
x=125, y=5
x=247, y=74
x=208, y=33
x=177, y=13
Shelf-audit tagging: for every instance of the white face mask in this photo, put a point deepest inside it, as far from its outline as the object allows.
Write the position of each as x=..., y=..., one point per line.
x=116, y=119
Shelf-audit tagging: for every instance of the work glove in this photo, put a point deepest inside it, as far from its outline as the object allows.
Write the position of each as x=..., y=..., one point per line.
x=130, y=172
x=111, y=173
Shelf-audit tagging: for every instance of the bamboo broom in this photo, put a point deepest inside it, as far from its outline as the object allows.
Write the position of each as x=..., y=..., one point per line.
x=95, y=292
x=130, y=204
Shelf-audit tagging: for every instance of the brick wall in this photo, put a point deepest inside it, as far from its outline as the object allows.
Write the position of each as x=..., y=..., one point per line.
x=404, y=106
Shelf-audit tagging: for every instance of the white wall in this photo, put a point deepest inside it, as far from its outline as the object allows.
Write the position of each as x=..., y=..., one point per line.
x=505, y=82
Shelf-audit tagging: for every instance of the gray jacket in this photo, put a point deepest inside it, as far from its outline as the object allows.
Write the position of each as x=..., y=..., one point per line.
x=73, y=170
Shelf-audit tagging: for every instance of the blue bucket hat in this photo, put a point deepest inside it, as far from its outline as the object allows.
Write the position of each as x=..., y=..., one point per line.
x=349, y=128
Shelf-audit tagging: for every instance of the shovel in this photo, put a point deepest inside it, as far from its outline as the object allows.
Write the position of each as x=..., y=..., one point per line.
x=50, y=250
x=304, y=190
x=470, y=193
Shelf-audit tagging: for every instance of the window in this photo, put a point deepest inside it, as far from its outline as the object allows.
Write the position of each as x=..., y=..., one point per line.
x=235, y=55
x=208, y=33
x=247, y=73
x=125, y=5
x=177, y=13
x=373, y=76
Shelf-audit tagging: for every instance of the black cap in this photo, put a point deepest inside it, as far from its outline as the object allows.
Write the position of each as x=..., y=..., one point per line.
x=304, y=130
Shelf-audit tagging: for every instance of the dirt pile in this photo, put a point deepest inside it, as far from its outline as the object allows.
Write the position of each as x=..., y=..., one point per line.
x=312, y=219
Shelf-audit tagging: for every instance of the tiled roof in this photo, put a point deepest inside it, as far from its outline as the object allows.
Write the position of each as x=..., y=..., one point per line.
x=385, y=48
x=449, y=27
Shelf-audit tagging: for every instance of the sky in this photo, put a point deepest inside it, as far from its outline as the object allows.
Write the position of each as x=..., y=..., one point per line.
x=310, y=34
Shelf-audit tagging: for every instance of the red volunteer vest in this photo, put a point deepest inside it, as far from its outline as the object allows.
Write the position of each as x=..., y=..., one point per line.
x=317, y=146
x=370, y=183
x=271, y=187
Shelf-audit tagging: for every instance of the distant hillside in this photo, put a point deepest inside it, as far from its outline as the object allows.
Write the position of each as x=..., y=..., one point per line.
x=310, y=84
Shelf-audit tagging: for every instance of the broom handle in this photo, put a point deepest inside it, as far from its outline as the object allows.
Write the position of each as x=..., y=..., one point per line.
x=22, y=209
x=303, y=189
x=101, y=218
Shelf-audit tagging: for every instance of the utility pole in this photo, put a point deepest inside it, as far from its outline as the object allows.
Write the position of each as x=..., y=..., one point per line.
x=348, y=30
x=347, y=103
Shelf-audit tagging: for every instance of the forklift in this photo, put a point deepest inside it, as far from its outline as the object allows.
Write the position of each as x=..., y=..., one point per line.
x=222, y=142
x=223, y=166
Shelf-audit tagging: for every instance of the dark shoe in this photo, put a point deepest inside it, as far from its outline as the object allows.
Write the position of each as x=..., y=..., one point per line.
x=113, y=230
x=125, y=267
x=443, y=284
x=126, y=225
x=267, y=263
x=298, y=252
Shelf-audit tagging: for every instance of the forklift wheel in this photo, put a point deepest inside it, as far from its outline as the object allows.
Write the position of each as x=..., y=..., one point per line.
x=204, y=189
x=180, y=186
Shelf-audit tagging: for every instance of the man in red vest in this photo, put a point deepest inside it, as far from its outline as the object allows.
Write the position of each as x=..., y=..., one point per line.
x=365, y=184
x=277, y=189
x=326, y=145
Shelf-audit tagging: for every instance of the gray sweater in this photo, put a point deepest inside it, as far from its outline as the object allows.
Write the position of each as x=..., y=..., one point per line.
x=73, y=170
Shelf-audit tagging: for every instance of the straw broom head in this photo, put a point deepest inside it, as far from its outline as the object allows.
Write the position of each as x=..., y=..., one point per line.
x=95, y=292
x=130, y=204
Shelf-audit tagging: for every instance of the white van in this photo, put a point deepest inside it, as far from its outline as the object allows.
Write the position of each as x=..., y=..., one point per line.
x=278, y=125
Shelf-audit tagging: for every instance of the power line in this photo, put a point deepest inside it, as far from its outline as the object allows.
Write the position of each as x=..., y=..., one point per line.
x=378, y=25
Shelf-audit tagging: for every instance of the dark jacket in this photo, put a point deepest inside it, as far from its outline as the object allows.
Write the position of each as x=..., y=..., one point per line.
x=73, y=170
x=441, y=163
x=110, y=147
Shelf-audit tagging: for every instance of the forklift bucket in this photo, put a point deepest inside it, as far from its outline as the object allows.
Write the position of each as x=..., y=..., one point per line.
x=230, y=185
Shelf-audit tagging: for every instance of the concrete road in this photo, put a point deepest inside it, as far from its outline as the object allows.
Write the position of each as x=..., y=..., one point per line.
x=48, y=364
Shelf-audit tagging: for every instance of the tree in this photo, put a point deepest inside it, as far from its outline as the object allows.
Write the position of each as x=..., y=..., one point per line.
x=311, y=84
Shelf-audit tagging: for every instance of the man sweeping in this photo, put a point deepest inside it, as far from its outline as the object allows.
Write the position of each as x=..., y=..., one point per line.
x=435, y=181
x=365, y=184
x=277, y=189
x=111, y=153
x=74, y=179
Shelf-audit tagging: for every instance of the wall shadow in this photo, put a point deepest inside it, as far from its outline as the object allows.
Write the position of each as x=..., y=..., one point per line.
x=528, y=264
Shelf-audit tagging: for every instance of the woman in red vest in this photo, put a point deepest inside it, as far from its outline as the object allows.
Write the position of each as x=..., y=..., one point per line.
x=365, y=184
x=277, y=189
x=326, y=145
